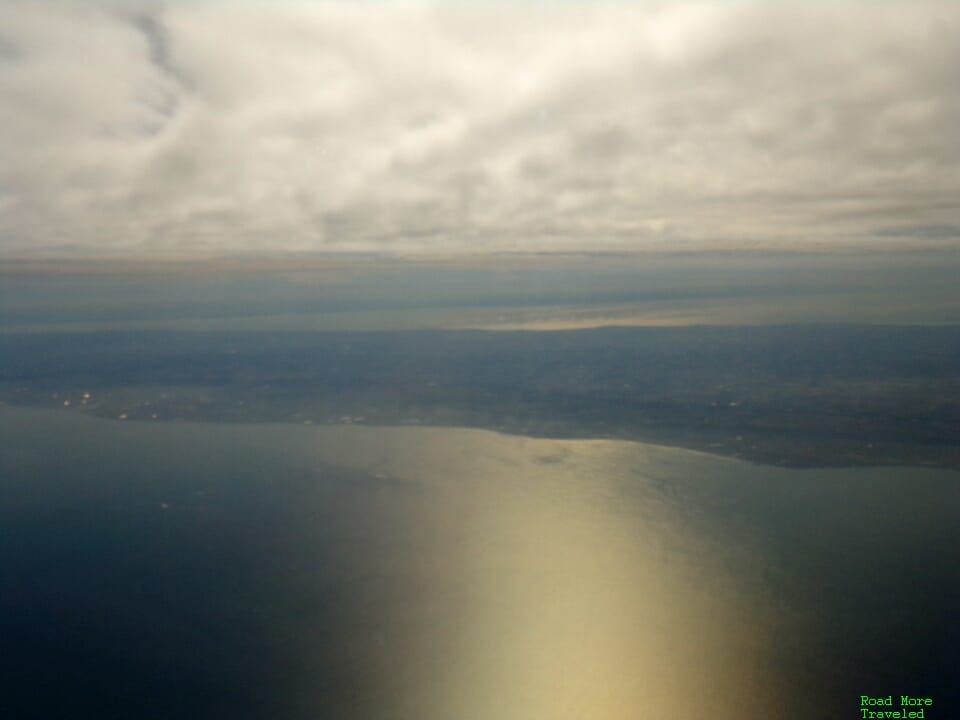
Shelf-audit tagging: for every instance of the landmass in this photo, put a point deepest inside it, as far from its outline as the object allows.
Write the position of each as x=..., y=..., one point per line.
x=796, y=396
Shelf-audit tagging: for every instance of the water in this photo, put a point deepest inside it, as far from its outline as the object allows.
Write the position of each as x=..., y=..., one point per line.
x=179, y=570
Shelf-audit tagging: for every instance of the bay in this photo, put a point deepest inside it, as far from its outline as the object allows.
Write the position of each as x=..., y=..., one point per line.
x=204, y=570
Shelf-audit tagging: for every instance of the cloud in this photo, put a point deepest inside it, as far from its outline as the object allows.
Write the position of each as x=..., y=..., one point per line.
x=216, y=127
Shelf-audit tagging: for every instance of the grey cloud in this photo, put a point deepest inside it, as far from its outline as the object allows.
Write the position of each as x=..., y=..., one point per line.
x=8, y=49
x=921, y=231
x=215, y=127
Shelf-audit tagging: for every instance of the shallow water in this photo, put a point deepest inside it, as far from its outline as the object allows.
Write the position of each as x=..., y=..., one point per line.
x=174, y=570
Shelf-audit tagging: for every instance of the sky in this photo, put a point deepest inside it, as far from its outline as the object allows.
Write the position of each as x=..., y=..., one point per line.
x=211, y=128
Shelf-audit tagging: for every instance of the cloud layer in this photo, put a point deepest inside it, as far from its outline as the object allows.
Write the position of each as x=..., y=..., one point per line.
x=225, y=127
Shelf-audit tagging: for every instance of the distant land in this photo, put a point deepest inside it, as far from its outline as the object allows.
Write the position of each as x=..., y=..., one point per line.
x=795, y=396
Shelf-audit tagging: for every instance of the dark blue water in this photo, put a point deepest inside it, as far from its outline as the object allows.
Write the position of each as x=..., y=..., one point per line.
x=160, y=571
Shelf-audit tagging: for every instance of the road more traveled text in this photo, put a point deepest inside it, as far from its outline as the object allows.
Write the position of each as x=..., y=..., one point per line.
x=882, y=707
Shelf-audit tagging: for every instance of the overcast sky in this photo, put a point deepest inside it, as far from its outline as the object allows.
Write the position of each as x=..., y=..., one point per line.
x=227, y=127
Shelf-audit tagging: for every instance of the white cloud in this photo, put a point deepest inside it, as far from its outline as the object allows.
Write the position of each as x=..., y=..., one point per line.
x=221, y=127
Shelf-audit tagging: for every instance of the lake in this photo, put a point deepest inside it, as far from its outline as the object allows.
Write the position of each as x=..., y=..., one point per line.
x=207, y=570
